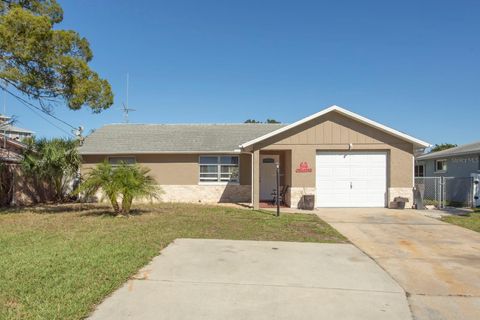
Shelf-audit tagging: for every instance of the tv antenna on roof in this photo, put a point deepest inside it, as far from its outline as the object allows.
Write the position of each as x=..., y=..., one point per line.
x=125, y=108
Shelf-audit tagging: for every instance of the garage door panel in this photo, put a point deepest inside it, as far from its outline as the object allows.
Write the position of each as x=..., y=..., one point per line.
x=341, y=173
x=359, y=173
x=351, y=179
x=324, y=173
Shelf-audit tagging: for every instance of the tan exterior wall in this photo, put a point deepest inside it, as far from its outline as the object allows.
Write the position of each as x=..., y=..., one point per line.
x=173, y=169
x=245, y=169
x=178, y=178
x=335, y=132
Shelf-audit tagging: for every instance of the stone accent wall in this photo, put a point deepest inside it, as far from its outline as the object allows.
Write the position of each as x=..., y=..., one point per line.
x=297, y=193
x=400, y=192
x=194, y=194
x=205, y=193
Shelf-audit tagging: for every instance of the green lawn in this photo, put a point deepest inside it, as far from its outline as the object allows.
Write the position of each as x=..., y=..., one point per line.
x=472, y=221
x=58, y=262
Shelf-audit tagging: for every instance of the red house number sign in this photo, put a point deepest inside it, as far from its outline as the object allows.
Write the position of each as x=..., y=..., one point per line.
x=303, y=168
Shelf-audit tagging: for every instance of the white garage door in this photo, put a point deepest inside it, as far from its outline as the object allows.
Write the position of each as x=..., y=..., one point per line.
x=351, y=179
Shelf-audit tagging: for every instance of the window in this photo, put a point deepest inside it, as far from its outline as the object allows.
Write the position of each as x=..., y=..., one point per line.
x=419, y=170
x=441, y=165
x=115, y=161
x=219, y=169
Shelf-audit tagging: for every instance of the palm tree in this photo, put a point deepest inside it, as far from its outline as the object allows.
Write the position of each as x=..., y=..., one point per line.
x=124, y=181
x=61, y=162
x=101, y=178
x=54, y=161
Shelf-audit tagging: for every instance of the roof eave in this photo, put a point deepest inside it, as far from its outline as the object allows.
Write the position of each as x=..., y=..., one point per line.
x=434, y=155
x=96, y=153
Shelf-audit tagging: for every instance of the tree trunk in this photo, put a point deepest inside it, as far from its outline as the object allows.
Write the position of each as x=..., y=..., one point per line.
x=115, y=206
x=57, y=183
x=126, y=204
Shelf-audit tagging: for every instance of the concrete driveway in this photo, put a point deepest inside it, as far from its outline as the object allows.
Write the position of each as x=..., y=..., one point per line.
x=223, y=279
x=438, y=264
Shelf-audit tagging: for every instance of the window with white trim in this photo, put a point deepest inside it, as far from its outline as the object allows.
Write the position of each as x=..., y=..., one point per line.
x=115, y=161
x=219, y=169
x=441, y=165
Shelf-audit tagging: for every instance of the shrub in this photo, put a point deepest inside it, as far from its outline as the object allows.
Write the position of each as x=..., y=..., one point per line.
x=126, y=182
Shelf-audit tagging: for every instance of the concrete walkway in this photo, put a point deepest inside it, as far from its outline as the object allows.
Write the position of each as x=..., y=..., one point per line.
x=438, y=264
x=223, y=279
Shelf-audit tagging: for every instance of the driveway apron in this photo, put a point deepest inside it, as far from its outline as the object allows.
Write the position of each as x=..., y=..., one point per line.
x=436, y=263
x=225, y=279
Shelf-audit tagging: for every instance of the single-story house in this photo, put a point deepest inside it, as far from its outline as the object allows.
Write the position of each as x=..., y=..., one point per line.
x=342, y=158
x=460, y=162
x=457, y=173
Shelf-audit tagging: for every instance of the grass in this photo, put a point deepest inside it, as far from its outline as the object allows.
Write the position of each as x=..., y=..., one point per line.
x=470, y=221
x=58, y=262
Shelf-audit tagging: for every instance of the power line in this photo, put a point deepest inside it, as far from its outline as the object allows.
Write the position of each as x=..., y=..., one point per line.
x=53, y=124
x=25, y=102
x=30, y=106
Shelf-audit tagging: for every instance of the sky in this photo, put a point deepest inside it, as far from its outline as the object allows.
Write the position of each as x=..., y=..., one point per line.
x=411, y=65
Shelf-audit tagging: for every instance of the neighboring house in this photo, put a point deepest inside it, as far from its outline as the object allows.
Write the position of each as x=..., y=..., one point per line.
x=11, y=131
x=451, y=175
x=342, y=158
x=10, y=157
x=459, y=162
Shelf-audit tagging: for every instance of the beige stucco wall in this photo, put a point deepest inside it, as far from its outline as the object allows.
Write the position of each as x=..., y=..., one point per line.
x=173, y=169
x=334, y=132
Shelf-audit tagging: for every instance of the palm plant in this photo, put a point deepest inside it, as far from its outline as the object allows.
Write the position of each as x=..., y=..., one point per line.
x=101, y=178
x=134, y=182
x=55, y=162
x=124, y=181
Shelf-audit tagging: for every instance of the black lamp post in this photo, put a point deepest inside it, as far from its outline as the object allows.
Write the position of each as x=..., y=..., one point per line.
x=277, y=198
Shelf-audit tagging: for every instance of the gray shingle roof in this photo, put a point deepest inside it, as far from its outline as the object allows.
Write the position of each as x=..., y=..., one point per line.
x=457, y=151
x=158, y=138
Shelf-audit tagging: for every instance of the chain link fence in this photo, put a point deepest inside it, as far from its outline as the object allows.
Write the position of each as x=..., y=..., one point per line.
x=428, y=191
x=444, y=192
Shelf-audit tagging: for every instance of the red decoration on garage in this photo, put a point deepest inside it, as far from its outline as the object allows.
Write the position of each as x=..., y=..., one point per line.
x=303, y=168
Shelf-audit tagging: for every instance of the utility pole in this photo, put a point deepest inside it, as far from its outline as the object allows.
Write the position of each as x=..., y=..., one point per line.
x=78, y=132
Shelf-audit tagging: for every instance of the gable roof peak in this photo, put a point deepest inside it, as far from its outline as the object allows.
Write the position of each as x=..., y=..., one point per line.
x=334, y=108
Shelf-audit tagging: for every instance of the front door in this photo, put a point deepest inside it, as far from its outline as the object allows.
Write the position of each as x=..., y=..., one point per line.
x=268, y=178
